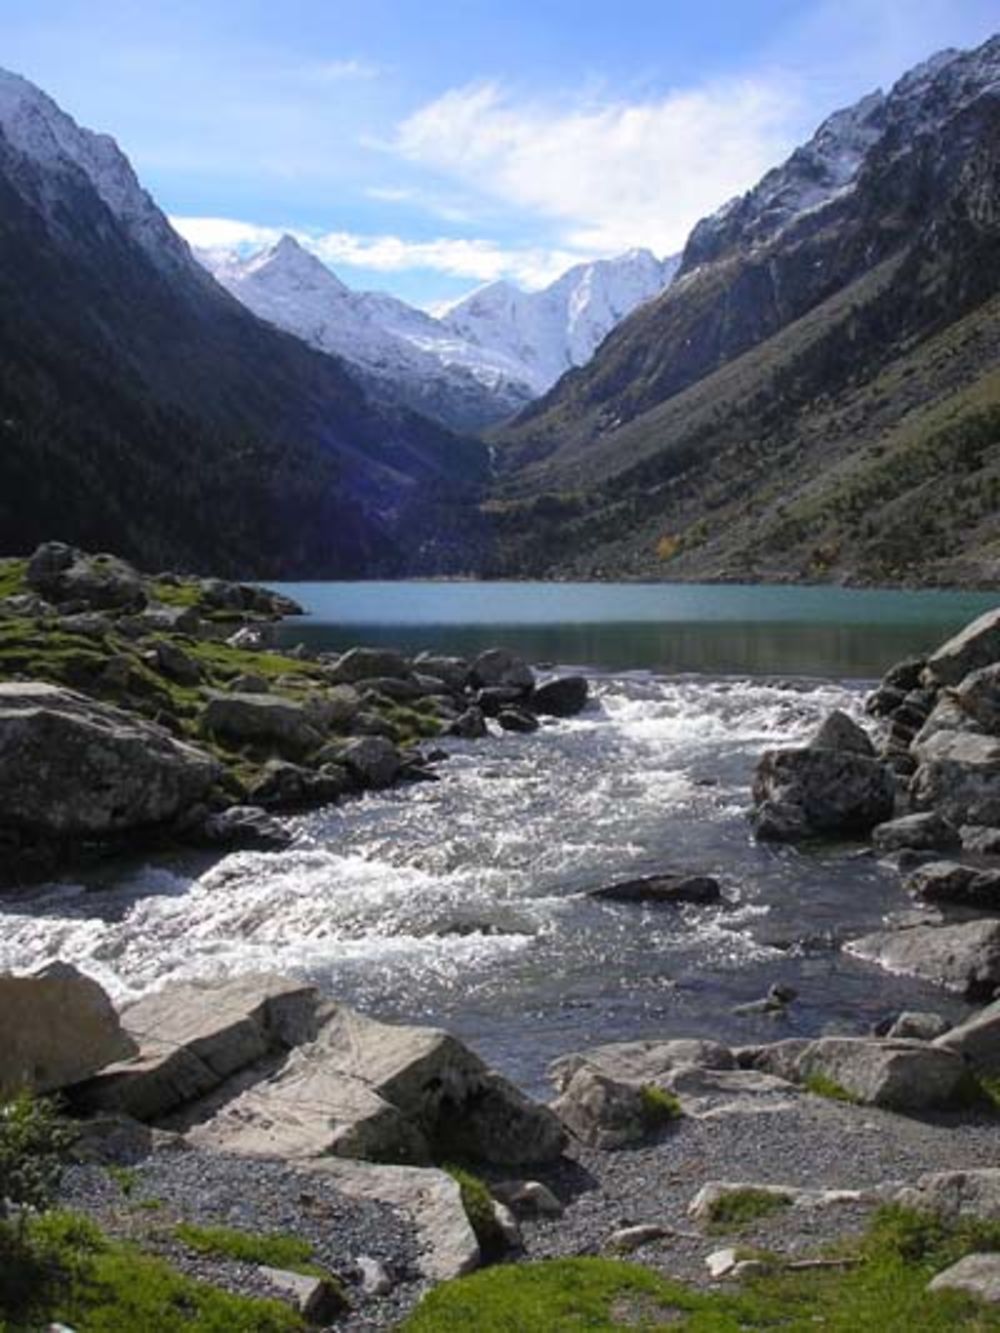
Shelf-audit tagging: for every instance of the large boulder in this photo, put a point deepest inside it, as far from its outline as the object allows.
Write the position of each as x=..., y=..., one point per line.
x=563, y=697
x=57, y=1026
x=359, y=664
x=964, y=958
x=61, y=574
x=975, y=1275
x=901, y=1075
x=603, y=1112
x=959, y=777
x=72, y=767
x=979, y=696
x=840, y=732
x=191, y=1037
x=977, y=1040
x=389, y=1093
x=454, y=671
x=373, y=761
x=498, y=667
x=956, y=883
x=976, y=646
x=267, y=720
x=642, y=1061
x=835, y=791
x=925, y=831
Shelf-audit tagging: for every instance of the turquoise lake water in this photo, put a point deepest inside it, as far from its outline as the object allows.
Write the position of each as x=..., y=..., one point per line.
x=716, y=629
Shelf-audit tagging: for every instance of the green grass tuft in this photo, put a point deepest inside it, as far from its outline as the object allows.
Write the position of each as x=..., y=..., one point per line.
x=740, y=1208
x=478, y=1204
x=275, y=1250
x=658, y=1106
x=12, y=574
x=829, y=1088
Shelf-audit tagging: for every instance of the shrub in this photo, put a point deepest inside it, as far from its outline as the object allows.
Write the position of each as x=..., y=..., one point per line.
x=34, y=1143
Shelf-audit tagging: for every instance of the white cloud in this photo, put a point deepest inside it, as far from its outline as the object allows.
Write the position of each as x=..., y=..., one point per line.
x=473, y=258
x=338, y=71
x=612, y=174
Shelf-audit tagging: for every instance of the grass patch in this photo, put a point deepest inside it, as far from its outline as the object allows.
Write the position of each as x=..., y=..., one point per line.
x=886, y=1292
x=275, y=1250
x=740, y=1208
x=12, y=574
x=176, y=594
x=829, y=1088
x=125, y=1178
x=658, y=1106
x=62, y=1269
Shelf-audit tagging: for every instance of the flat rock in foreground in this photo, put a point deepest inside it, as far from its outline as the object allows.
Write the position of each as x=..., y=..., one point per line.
x=70, y=766
x=56, y=1027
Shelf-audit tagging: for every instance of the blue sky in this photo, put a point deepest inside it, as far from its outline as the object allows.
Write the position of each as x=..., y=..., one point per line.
x=423, y=147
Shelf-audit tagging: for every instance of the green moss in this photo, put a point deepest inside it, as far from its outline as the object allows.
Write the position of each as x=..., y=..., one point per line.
x=478, y=1204
x=740, y=1208
x=884, y=1291
x=60, y=1268
x=829, y=1088
x=176, y=594
x=12, y=574
x=276, y=1250
x=658, y=1107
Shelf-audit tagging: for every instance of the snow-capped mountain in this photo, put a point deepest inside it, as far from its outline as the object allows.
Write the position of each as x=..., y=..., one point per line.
x=36, y=127
x=483, y=359
x=828, y=166
x=550, y=331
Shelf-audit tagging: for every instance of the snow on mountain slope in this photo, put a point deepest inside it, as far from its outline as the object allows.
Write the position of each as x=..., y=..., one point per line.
x=485, y=358
x=32, y=123
x=550, y=331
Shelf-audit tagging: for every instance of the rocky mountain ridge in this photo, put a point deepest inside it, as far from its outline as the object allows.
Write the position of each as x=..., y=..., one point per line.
x=483, y=359
x=791, y=406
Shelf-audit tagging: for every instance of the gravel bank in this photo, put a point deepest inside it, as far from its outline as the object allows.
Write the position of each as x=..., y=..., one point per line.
x=146, y=1201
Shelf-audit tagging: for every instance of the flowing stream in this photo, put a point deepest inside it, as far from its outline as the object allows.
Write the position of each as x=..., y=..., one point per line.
x=463, y=902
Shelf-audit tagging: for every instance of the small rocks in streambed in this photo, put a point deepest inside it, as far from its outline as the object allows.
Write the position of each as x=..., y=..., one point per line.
x=242, y=828
x=517, y=720
x=953, y=882
x=963, y=958
x=776, y=1001
x=669, y=887
x=916, y=1026
x=470, y=725
x=927, y=831
x=499, y=667
x=563, y=697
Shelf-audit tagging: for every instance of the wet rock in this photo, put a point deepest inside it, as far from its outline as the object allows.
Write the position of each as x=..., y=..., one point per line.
x=563, y=697
x=470, y=725
x=498, y=667
x=777, y=821
x=776, y=1001
x=905, y=675
x=517, y=720
x=979, y=696
x=837, y=791
x=262, y=719
x=366, y=664
x=839, y=732
x=953, y=882
x=642, y=1061
x=980, y=840
x=976, y=646
x=900, y=1075
x=883, y=702
x=243, y=827
x=454, y=671
x=372, y=760
x=671, y=887
x=916, y=1026
x=964, y=790
x=976, y=1275
x=495, y=698
x=57, y=1026
x=282, y=785
x=963, y=958
x=925, y=831
x=70, y=766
